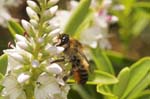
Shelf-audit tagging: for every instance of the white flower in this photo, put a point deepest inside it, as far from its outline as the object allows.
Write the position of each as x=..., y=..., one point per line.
x=12, y=88
x=33, y=5
x=53, y=50
x=54, y=68
x=97, y=34
x=54, y=33
x=53, y=10
x=48, y=88
x=52, y=2
x=35, y=63
x=23, y=77
x=32, y=14
x=26, y=25
x=22, y=45
x=60, y=19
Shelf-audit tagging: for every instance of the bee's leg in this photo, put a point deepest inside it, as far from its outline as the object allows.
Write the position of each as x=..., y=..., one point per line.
x=58, y=60
x=67, y=76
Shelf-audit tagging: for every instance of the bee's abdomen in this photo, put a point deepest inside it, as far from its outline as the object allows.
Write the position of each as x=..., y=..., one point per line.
x=83, y=76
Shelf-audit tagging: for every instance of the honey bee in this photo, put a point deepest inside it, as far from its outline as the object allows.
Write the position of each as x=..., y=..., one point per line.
x=73, y=50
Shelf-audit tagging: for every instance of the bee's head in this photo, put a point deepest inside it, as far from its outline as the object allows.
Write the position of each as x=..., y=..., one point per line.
x=63, y=39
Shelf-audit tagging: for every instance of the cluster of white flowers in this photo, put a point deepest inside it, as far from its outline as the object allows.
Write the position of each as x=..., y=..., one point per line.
x=30, y=73
x=96, y=35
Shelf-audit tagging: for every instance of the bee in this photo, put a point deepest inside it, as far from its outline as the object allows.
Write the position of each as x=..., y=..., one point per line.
x=73, y=50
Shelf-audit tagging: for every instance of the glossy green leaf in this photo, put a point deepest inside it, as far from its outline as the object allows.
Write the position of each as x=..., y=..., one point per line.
x=140, y=87
x=138, y=71
x=103, y=89
x=144, y=94
x=77, y=17
x=118, y=60
x=100, y=77
x=102, y=61
x=15, y=28
x=82, y=93
x=123, y=78
x=3, y=63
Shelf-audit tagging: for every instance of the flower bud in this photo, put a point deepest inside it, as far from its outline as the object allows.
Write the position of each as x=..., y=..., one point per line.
x=34, y=23
x=32, y=14
x=54, y=32
x=52, y=2
x=33, y=5
x=20, y=38
x=53, y=10
x=28, y=27
x=55, y=50
x=17, y=57
x=22, y=45
x=23, y=77
x=54, y=68
x=35, y=63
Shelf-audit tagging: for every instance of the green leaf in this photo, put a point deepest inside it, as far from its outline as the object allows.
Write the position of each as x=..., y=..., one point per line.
x=140, y=87
x=1, y=88
x=77, y=17
x=144, y=95
x=3, y=63
x=142, y=4
x=15, y=28
x=103, y=89
x=119, y=60
x=102, y=61
x=123, y=78
x=82, y=93
x=85, y=24
x=138, y=71
x=100, y=77
x=1, y=76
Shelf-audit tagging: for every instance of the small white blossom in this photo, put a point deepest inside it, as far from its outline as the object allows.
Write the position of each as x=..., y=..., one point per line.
x=52, y=2
x=48, y=88
x=60, y=19
x=35, y=63
x=20, y=38
x=22, y=45
x=54, y=33
x=53, y=10
x=23, y=77
x=17, y=57
x=40, y=40
x=54, y=68
x=12, y=88
x=32, y=14
x=33, y=5
x=34, y=23
x=26, y=25
x=54, y=50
